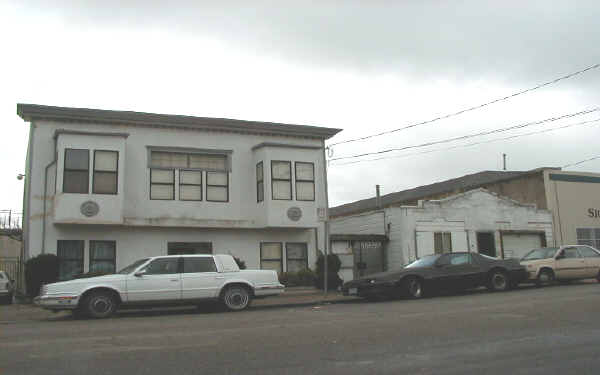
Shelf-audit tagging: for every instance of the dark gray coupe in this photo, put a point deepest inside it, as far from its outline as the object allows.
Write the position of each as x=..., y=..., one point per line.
x=441, y=272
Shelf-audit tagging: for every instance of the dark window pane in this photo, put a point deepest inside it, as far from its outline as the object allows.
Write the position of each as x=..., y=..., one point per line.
x=584, y=233
x=102, y=256
x=75, y=181
x=77, y=159
x=70, y=258
x=199, y=264
x=105, y=183
x=164, y=266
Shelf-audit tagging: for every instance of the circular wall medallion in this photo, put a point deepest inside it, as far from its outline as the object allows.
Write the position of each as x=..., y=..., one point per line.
x=294, y=213
x=89, y=208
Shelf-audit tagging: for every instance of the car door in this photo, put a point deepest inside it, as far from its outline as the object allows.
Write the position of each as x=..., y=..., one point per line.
x=569, y=264
x=456, y=271
x=200, y=278
x=592, y=260
x=159, y=280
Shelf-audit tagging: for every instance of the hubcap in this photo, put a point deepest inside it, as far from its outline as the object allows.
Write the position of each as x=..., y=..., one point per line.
x=499, y=281
x=236, y=298
x=415, y=288
x=545, y=277
x=101, y=305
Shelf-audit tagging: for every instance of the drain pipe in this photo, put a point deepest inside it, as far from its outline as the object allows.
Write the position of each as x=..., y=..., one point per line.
x=44, y=196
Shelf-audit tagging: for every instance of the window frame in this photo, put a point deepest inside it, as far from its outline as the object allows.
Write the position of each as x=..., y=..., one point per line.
x=182, y=184
x=105, y=241
x=296, y=180
x=287, y=258
x=225, y=186
x=62, y=259
x=261, y=181
x=593, y=240
x=281, y=179
x=443, y=234
x=178, y=269
x=116, y=172
x=162, y=183
x=65, y=169
x=184, y=259
x=271, y=259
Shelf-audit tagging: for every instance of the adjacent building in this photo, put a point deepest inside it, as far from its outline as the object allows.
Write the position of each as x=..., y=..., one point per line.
x=104, y=188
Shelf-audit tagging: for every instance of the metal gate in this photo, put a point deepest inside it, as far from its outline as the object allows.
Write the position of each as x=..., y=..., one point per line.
x=15, y=270
x=368, y=257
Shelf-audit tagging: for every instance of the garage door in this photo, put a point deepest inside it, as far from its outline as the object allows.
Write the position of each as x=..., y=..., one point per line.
x=516, y=245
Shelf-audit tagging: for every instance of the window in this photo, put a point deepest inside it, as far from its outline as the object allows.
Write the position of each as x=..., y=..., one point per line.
x=271, y=256
x=260, y=185
x=458, y=259
x=105, y=172
x=305, y=181
x=176, y=160
x=76, y=172
x=190, y=185
x=281, y=180
x=587, y=252
x=180, y=248
x=589, y=236
x=296, y=256
x=570, y=252
x=70, y=258
x=217, y=186
x=198, y=264
x=162, y=184
x=162, y=266
x=442, y=242
x=103, y=256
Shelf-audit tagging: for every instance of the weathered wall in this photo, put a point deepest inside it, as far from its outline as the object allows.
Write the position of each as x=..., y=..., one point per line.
x=9, y=247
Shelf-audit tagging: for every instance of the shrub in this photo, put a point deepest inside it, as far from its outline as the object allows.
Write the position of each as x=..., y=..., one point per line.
x=300, y=278
x=241, y=264
x=91, y=274
x=40, y=270
x=333, y=267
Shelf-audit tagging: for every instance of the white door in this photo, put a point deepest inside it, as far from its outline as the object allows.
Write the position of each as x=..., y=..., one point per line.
x=425, y=245
x=200, y=278
x=517, y=245
x=160, y=281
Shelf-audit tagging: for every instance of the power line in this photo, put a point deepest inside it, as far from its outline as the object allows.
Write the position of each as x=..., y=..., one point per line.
x=470, y=144
x=470, y=108
x=551, y=119
x=580, y=162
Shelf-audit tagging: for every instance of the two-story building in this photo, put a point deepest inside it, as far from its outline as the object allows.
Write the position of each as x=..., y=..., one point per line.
x=104, y=188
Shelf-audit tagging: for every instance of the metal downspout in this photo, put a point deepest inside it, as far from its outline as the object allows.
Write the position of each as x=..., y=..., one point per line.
x=326, y=229
x=45, y=198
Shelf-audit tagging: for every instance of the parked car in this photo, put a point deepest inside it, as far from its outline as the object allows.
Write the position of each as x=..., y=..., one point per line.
x=163, y=280
x=7, y=288
x=453, y=271
x=565, y=263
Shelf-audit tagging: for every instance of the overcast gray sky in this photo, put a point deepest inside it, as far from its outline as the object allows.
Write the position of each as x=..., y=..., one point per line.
x=364, y=66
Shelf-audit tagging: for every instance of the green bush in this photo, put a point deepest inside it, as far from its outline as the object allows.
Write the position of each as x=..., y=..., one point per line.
x=91, y=274
x=300, y=278
x=241, y=264
x=39, y=270
x=333, y=267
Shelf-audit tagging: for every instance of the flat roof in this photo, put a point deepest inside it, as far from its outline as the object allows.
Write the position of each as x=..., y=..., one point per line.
x=31, y=112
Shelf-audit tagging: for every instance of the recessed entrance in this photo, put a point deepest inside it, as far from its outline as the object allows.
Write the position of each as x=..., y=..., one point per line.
x=486, y=244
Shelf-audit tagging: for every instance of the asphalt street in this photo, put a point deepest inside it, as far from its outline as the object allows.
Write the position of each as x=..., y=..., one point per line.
x=553, y=330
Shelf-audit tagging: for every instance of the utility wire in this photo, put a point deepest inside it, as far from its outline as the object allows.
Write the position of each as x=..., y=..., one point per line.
x=551, y=119
x=580, y=162
x=470, y=108
x=469, y=144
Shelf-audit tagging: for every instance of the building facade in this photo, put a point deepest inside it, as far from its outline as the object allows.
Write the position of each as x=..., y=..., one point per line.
x=105, y=188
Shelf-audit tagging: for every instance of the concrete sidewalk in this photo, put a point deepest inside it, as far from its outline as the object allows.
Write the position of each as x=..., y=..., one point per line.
x=295, y=296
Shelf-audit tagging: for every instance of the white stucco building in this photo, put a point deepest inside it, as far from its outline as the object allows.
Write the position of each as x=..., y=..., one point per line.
x=477, y=220
x=104, y=188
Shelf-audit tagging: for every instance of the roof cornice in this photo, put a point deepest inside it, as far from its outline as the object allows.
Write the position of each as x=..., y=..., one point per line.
x=32, y=112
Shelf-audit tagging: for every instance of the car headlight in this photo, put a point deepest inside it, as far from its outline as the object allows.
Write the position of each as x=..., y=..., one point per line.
x=372, y=281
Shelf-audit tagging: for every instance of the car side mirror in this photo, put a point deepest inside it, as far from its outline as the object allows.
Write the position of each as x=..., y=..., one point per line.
x=140, y=273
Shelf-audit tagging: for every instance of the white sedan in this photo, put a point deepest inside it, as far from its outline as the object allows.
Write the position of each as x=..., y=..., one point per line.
x=163, y=280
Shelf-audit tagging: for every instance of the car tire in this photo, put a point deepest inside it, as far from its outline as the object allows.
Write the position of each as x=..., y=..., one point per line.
x=413, y=287
x=498, y=281
x=236, y=298
x=99, y=305
x=545, y=277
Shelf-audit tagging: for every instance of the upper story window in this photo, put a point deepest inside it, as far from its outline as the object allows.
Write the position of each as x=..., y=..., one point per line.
x=305, y=181
x=260, y=185
x=105, y=172
x=281, y=180
x=76, y=172
x=190, y=170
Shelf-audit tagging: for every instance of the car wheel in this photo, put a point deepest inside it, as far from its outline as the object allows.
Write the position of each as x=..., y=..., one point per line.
x=414, y=287
x=99, y=305
x=498, y=281
x=236, y=298
x=545, y=277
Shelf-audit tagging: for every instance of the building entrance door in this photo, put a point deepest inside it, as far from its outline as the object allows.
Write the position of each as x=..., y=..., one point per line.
x=486, y=244
x=368, y=257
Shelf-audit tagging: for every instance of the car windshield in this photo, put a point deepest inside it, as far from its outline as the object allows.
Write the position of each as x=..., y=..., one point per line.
x=427, y=261
x=130, y=268
x=544, y=253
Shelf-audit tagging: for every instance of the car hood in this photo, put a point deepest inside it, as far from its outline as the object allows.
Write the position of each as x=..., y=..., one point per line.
x=90, y=280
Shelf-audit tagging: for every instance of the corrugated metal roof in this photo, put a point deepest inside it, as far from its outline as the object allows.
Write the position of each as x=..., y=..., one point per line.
x=34, y=111
x=463, y=183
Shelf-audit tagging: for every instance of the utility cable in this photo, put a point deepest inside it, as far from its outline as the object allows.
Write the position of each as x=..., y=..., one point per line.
x=470, y=108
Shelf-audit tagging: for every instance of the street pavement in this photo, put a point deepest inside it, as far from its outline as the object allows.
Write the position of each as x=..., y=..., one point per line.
x=552, y=330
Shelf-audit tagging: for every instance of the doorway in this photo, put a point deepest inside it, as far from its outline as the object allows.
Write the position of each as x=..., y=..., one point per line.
x=368, y=257
x=486, y=244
